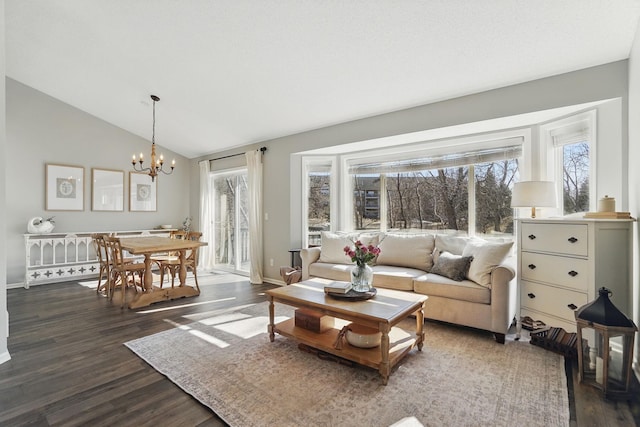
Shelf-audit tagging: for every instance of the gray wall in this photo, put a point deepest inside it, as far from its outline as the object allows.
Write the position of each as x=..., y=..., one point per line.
x=40, y=130
x=592, y=84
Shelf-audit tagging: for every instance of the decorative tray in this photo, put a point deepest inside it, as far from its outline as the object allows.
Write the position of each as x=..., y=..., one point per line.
x=354, y=296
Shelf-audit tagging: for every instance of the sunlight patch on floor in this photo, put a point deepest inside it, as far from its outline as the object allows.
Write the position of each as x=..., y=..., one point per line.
x=248, y=328
x=175, y=307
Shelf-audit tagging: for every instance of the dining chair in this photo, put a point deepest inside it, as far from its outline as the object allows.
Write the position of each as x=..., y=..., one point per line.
x=172, y=264
x=103, y=258
x=123, y=269
x=171, y=255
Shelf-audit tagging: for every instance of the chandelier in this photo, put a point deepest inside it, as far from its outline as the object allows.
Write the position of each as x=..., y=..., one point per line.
x=157, y=164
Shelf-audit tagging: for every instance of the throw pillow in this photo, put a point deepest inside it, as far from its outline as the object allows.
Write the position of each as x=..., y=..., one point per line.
x=332, y=250
x=452, y=244
x=407, y=250
x=486, y=257
x=454, y=267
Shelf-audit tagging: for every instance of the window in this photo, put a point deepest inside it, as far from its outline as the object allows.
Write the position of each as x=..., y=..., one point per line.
x=493, y=188
x=572, y=145
x=319, y=195
x=231, y=221
x=465, y=192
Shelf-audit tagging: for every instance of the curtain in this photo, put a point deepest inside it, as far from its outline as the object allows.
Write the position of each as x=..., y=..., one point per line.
x=254, y=166
x=206, y=259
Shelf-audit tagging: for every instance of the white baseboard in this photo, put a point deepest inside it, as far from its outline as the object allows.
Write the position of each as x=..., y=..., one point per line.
x=4, y=357
x=272, y=281
x=15, y=285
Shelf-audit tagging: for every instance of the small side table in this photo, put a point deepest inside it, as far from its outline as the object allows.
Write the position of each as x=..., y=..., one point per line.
x=295, y=256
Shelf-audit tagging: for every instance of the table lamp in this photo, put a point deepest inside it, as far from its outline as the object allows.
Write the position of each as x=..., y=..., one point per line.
x=533, y=194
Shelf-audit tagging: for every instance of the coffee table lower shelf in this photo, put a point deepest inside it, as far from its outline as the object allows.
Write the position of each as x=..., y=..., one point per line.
x=400, y=343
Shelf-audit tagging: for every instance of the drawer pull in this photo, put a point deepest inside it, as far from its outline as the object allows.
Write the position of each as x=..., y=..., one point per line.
x=573, y=273
x=531, y=295
x=532, y=236
x=572, y=306
x=532, y=266
x=572, y=240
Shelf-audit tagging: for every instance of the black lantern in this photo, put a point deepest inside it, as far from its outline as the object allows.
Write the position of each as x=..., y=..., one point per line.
x=606, y=336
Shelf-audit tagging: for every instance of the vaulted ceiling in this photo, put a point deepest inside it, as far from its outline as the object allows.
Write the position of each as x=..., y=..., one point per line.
x=235, y=72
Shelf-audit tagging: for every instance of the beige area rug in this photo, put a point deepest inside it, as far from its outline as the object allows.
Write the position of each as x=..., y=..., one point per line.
x=461, y=378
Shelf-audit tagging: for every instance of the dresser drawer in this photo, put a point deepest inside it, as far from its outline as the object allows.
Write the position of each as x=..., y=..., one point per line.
x=570, y=239
x=570, y=272
x=551, y=300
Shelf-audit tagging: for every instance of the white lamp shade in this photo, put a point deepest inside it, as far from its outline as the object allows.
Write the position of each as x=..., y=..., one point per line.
x=533, y=194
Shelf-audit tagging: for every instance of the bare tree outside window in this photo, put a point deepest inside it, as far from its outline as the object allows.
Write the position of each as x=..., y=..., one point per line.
x=437, y=199
x=231, y=221
x=494, y=185
x=319, y=205
x=575, y=177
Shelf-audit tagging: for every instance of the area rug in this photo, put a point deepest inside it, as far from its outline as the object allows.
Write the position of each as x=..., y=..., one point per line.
x=462, y=377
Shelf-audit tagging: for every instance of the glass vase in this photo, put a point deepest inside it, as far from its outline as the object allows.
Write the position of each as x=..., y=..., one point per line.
x=361, y=278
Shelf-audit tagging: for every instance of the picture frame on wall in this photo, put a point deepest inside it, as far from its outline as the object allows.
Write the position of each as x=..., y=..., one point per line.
x=64, y=187
x=107, y=190
x=142, y=193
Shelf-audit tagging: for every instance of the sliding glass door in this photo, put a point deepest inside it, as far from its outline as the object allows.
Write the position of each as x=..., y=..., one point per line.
x=231, y=219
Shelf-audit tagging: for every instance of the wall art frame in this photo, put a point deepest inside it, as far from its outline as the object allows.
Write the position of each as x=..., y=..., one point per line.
x=64, y=187
x=142, y=193
x=107, y=190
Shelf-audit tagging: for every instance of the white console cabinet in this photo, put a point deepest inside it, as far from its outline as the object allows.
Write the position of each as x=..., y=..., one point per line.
x=563, y=263
x=58, y=257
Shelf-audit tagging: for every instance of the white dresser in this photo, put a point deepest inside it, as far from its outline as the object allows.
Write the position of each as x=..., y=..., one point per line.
x=563, y=262
x=58, y=257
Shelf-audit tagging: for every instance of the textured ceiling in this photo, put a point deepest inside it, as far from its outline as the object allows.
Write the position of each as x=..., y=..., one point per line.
x=241, y=71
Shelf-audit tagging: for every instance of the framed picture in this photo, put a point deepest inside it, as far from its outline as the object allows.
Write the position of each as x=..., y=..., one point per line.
x=64, y=188
x=107, y=190
x=142, y=192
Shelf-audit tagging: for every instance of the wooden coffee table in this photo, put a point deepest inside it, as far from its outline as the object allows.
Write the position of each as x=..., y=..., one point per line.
x=382, y=312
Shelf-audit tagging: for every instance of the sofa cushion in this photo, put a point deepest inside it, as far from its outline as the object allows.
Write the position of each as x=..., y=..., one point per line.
x=452, y=266
x=466, y=290
x=486, y=257
x=391, y=277
x=452, y=244
x=341, y=272
x=411, y=250
x=333, y=247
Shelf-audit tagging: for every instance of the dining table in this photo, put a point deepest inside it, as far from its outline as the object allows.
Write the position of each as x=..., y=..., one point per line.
x=150, y=245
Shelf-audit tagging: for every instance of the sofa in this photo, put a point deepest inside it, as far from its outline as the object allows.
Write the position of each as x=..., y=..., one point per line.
x=469, y=281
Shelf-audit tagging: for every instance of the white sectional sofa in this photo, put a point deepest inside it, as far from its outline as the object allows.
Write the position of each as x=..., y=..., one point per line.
x=483, y=294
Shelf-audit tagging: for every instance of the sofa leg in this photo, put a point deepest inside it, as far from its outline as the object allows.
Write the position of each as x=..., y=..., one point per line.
x=499, y=337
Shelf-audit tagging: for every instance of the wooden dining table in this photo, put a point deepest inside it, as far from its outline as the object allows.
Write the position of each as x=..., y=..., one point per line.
x=150, y=245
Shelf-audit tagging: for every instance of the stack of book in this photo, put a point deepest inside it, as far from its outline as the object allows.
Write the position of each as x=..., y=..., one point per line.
x=557, y=340
x=337, y=287
x=532, y=325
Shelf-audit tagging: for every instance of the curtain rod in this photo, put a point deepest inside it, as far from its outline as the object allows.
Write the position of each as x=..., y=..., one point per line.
x=262, y=149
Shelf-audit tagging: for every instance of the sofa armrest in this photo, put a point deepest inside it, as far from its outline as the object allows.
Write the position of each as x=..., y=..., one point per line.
x=503, y=297
x=308, y=256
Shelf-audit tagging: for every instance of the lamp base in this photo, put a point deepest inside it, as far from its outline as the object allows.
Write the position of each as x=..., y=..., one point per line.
x=533, y=212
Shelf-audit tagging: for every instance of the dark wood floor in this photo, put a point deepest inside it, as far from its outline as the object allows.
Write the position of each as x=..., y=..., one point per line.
x=69, y=366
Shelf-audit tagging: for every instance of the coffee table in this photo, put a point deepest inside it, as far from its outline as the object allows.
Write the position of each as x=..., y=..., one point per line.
x=382, y=312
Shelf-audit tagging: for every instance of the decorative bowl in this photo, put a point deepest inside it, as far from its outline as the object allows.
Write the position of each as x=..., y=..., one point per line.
x=166, y=226
x=363, y=336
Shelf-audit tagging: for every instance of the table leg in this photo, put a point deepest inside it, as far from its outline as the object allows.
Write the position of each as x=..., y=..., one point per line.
x=385, y=368
x=420, y=327
x=272, y=325
x=148, y=275
x=183, y=269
